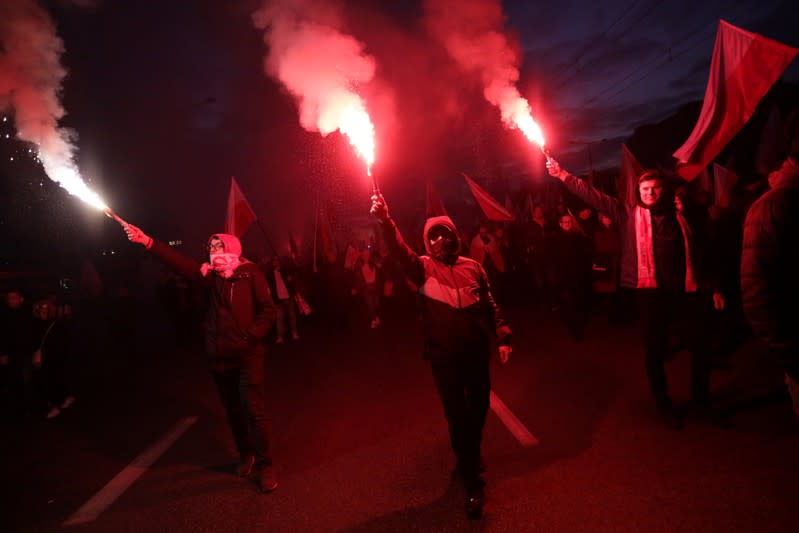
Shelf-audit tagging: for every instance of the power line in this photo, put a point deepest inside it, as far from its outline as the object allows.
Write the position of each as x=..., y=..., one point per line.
x=586, y=47
x=670, y=56
x=615, y=40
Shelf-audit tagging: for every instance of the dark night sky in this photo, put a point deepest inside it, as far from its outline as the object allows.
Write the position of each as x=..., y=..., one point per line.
x=169, y=100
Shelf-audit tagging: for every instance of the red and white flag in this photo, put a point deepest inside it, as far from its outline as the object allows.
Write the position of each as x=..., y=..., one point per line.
x=493, y=210
x=434, y=207
x=627, y=184
x=744, y=67
x=723, y=182
x=239, y=214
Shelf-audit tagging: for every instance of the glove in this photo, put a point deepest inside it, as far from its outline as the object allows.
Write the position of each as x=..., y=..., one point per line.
x=379, y=208
x=138, y=236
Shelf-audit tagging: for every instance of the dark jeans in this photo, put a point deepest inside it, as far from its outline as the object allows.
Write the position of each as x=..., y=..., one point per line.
x=242, y=393
x=660, y=309
x=464, y=386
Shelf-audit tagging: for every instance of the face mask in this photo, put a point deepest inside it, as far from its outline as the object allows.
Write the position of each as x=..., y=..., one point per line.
x=442, y=243
x=224, y=263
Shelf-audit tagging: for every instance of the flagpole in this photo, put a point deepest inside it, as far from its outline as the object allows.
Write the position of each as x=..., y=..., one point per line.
x=315, y=230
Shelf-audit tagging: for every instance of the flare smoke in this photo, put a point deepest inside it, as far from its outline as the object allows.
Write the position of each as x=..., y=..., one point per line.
x=320, y=66
x=472, y=33
x=30, y=82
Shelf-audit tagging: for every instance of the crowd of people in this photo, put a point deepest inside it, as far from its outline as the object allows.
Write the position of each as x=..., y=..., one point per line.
x=669, y=257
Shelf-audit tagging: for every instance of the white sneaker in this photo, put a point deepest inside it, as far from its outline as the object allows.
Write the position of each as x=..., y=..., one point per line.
x=69, y=400
x=53, y=412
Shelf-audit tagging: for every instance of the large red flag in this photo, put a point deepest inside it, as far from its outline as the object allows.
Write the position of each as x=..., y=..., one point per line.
x=493, y=210
x=724, y=181
x=434, y=207
x=239, y=214
x=627, y=184
x=744, y=67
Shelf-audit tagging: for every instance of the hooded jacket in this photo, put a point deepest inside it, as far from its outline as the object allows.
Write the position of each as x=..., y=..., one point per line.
x=459, y=314
x=240, y=310
x=770, y=269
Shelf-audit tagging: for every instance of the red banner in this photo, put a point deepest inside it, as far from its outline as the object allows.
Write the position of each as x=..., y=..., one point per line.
x=744, y=67
x=239, y=214
x=493, y=210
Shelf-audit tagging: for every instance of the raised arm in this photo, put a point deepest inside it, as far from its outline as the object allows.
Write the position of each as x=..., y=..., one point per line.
x=180, y=263
x=408, y=260
x=607, y=205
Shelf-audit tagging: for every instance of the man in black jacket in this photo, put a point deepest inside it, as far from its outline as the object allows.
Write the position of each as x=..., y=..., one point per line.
x=460, y=320
x=659, y=261
x=770, y=269
x=239, y=316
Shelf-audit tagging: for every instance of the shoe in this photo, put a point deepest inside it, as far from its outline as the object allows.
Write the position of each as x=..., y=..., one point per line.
x=475, y=497
x=705, y=414
x=669, y=417
x=295, y=336
x=68, y=401
x=279, y=340
x=244, y=469
x=267, y=479
x=53, y=412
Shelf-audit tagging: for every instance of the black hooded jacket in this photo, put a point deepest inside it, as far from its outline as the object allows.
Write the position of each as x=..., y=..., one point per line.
x=458, y=312
x=240, y=312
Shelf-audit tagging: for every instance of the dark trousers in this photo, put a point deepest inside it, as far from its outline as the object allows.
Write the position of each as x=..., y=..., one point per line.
x=242, y=393
x=661, y=309
x=464, y=386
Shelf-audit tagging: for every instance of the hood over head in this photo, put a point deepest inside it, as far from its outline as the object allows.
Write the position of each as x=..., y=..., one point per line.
x=446, y=222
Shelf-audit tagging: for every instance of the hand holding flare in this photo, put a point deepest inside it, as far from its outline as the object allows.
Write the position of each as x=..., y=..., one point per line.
x=134, y=233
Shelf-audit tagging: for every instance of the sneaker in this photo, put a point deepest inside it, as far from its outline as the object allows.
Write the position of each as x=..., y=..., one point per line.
x=279, y=340
x=669, y=417
x=706, y=414
x=53, y=412
x=793, y=390
x=244, y=469
x=68, y=401
x=267, y=479
x=475, y=498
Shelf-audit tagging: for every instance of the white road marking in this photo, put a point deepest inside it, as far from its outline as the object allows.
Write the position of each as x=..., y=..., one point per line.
x=513, y=424
x=122, y=481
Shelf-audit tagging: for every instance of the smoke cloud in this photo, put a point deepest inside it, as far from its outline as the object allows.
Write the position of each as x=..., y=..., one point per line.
x=472, y=33
x=31, y=77
x=316, y=62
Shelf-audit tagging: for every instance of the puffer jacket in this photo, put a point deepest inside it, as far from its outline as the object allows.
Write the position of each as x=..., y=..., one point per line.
x=459, y=314
x=240, y=311
x=770, y=270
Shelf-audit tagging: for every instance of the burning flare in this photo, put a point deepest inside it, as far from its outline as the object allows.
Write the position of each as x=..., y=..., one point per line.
x=320, y=67
x=517, y=114
x=30, y=81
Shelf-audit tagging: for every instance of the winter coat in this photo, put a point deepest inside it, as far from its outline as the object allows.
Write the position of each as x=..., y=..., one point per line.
x=770, y=270
x=459, y=314
x=240, y=311
x=665, y=229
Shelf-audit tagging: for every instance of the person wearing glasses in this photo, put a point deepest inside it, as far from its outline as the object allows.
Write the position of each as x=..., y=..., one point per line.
x=460, y=322
x=240, y=314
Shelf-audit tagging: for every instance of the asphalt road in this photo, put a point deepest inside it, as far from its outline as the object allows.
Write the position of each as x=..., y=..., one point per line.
x=361, y=445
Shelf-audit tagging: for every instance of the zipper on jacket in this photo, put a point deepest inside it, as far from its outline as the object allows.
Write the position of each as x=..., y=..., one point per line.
x=455, y=283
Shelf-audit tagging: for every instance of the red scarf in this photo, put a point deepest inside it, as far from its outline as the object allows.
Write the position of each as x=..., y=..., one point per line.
x=647, y=278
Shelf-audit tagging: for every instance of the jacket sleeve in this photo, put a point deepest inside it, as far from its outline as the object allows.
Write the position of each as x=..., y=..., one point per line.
x=607, y=205
x=180, y=263
x=763, y=281
x=263, y=307
x=410, y=263
x=503, y=332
